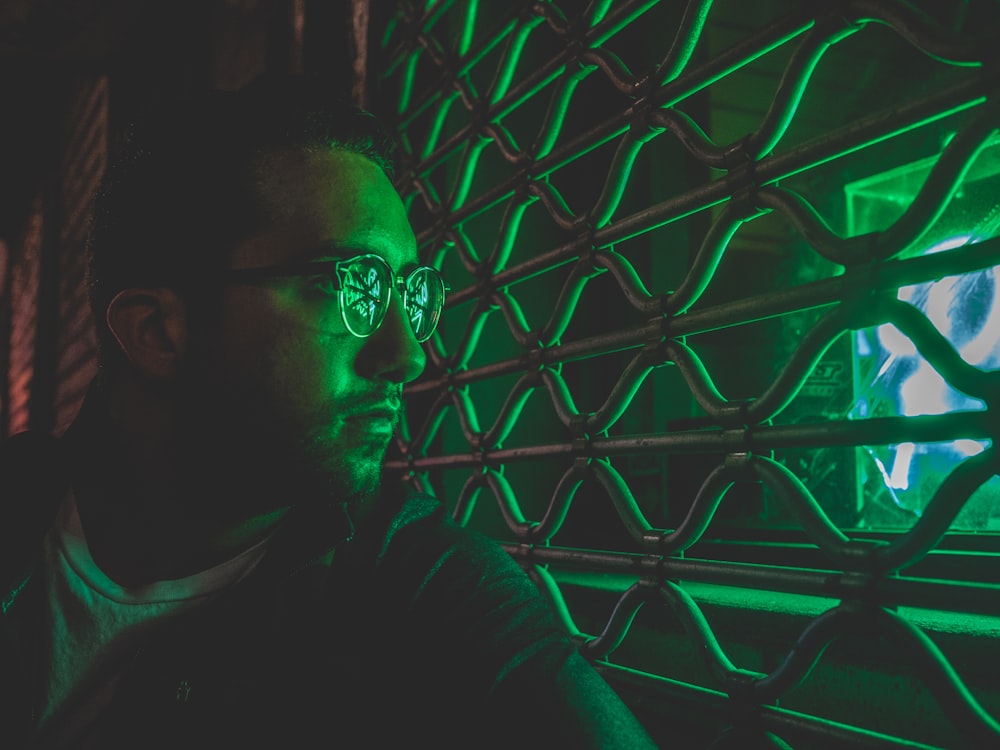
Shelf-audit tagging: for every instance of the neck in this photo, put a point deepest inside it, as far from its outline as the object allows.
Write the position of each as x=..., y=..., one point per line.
x=146, y=517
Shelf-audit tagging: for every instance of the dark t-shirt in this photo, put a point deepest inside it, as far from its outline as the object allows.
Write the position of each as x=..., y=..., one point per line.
x=417, y=633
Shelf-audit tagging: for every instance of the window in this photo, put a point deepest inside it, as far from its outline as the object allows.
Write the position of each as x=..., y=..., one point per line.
x=703, y=272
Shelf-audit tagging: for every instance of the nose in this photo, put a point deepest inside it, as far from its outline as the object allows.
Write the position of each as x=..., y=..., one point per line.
x=392, y=353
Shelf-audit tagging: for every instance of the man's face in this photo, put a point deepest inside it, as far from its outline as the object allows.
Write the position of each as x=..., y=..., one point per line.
x=290, y=389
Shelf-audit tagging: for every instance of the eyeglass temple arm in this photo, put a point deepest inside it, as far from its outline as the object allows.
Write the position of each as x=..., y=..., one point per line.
x=264, y=273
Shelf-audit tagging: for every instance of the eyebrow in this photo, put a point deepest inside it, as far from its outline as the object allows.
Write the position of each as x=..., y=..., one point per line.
x=330, y=250
x=310, y=259
x=327, y=250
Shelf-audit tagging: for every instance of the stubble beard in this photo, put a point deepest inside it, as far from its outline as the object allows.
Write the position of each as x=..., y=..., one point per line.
x=348, y=471
x=256, y=456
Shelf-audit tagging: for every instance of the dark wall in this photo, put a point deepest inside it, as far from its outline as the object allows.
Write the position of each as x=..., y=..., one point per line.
x=72, y=74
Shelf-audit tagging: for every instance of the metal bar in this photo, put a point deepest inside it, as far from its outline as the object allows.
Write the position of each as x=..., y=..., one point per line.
x=950, y=596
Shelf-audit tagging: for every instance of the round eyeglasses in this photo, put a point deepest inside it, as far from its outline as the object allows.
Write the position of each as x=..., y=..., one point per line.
x=364, y=286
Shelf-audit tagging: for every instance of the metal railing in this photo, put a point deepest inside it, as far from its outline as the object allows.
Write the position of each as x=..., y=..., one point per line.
x=623, y=280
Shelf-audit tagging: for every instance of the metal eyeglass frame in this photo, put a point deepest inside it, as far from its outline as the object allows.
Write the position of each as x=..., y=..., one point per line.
x=336, y=270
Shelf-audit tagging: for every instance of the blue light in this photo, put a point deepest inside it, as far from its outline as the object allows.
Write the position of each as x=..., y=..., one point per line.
x=901, y=381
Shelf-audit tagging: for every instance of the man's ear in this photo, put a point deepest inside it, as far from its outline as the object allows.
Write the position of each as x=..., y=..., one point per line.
x=150, y=325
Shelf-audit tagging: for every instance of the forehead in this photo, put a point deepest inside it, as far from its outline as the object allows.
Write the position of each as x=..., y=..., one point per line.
x=330, y=197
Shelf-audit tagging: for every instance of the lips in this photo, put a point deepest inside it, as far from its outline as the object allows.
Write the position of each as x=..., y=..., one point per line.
x=384, y=409
x=382, y=416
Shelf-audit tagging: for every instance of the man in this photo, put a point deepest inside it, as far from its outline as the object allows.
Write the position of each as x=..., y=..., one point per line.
x=208, y=557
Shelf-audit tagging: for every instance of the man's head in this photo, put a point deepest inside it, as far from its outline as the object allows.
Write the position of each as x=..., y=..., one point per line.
x=257, y=372
x=184, y=186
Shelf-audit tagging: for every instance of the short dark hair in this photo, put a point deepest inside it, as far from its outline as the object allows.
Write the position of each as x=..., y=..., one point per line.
x=180, y=192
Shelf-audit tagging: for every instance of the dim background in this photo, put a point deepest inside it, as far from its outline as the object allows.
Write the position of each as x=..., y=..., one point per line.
x=694, y=487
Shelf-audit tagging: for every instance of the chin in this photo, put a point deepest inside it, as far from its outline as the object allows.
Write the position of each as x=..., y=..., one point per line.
x=352, y=473
x=361, y=481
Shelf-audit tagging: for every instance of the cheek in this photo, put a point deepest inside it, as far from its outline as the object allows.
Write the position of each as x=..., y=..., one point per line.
x=278, y=349
x=310, y=367
x=324, y=363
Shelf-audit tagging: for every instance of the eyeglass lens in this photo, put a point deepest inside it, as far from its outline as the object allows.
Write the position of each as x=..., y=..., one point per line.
x=366, y=283
x=424, y=299
x=365, y=298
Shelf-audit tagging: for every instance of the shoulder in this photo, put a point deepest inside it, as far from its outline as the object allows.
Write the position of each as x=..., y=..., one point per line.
x=32, y=484
x=422, y=526
x=430, y=563
x=32, y=477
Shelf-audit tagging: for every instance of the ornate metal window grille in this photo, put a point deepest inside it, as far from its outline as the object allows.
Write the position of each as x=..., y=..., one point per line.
x=690, y=246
